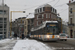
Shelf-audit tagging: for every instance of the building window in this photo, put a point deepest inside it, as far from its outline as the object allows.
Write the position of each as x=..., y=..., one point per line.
x=0, y=32
x=1, y=20
x=37, y=23
x=71, y=20
x=42, y=16
x=36, y=11
x=37, y=16
x=55, y=11
x=46, y=15
x=52, y=9
x=49, y=15
x=1, y=25
x=1, y=11
x=5, y=25
x=43, y=8
x=71, y=10
x=40, y=9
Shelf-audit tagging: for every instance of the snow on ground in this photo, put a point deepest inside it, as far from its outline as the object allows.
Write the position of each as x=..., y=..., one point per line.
x=7, y=44
x=30, y=45
x=4, y=40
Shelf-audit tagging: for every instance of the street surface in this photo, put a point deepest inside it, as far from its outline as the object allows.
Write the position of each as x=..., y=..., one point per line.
x=62, y=45
x=8, y=45
x=31, y=44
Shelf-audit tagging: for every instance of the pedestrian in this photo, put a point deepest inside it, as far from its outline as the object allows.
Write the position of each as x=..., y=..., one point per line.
x=15, y=36
x=22, y=36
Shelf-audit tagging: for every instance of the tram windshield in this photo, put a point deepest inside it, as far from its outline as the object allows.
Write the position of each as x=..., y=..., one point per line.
x=52, y=29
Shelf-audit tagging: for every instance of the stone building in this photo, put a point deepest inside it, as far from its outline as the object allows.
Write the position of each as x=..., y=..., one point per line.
x=71, y=22
x=4, y=21
x=44, y=13
x=20, y=26
x=30, y=19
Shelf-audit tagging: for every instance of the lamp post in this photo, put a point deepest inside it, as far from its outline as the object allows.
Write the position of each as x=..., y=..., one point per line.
x=3, y=16
x=11, y=21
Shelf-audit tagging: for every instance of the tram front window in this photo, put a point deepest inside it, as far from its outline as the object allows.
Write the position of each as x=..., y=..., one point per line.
x=52, y=30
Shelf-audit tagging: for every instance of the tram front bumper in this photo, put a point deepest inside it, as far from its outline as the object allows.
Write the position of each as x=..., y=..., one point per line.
x=50, y=39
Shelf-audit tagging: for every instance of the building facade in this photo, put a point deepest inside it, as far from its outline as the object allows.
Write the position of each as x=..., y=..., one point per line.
x=4, y=20
x=44, y=13
x=20, y=26
x=71, y=22
x=30, y=19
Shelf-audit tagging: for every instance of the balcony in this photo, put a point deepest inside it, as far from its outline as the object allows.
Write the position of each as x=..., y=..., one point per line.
x=71, y=24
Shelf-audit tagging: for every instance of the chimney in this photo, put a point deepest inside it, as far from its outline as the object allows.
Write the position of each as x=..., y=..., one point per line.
x=69, y=1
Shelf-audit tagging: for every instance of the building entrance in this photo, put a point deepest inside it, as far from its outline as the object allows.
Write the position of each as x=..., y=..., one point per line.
x=71, y=33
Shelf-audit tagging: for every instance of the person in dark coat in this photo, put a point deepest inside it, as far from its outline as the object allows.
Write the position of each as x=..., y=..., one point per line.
x=22, y=36
x=15, y=36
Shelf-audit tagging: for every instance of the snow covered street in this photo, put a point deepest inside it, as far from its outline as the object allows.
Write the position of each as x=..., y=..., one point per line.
x=7, y=44
x=30, y=45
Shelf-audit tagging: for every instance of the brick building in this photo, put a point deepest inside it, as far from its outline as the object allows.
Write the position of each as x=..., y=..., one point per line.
x=44, y=13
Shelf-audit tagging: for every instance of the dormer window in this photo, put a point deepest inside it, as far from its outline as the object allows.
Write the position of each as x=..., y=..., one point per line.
x=43, y=8
x=40, y=9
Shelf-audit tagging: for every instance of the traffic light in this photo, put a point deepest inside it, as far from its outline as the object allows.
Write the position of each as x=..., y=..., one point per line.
x=23, y=11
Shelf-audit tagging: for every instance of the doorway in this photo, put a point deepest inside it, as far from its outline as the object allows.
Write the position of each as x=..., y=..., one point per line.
x=71, y=33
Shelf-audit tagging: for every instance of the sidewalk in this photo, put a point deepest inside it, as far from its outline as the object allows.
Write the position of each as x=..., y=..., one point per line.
x=7, y=44
x=27, y=44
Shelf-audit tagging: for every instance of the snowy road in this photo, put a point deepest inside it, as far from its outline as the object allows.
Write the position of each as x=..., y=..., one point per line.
x=30, y=45
x=7, y=44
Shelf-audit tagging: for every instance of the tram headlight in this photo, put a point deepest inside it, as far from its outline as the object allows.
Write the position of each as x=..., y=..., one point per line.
x=57, y=36
x=48, y=36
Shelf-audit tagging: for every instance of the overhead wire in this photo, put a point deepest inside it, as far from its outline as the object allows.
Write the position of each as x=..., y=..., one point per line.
x=39, y=5
x=56, y=2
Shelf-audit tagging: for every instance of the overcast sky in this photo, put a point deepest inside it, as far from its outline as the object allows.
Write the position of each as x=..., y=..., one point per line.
x=30, y=5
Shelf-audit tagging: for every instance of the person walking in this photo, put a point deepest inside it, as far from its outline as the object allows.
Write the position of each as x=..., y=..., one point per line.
x=15, y=36
x=22, y=36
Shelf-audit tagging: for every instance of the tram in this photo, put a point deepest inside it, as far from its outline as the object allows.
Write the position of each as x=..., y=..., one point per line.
x=47, y=31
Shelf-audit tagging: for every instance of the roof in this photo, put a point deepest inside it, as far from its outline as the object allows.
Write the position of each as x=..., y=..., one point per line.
x=50, y=22
x=64, y=23
x=31, y=15
x=45, y=5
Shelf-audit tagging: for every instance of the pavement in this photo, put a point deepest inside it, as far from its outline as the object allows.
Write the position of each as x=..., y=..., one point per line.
x=62, y=45
x=8, y=45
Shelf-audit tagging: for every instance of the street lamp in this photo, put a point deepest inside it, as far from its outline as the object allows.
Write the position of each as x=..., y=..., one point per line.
x=11, y=20
x=3, y=17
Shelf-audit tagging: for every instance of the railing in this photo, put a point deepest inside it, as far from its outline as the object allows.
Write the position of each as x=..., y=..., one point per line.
x=71, y=24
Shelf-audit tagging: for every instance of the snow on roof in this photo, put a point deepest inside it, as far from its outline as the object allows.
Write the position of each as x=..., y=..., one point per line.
x=45, y=5
x=43, y=25
x=50, y=22
x=63, y=22
x=31, y=15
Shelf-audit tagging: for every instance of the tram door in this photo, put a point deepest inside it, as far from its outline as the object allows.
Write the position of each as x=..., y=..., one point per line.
x=71, y=35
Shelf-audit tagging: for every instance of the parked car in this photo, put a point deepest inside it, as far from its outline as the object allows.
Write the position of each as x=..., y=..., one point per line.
x=63, y=36
x=67, y=35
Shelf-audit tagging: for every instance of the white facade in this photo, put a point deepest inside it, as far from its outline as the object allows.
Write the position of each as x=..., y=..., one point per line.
x=71, y=1
x=71, y=21
x=4, y=17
